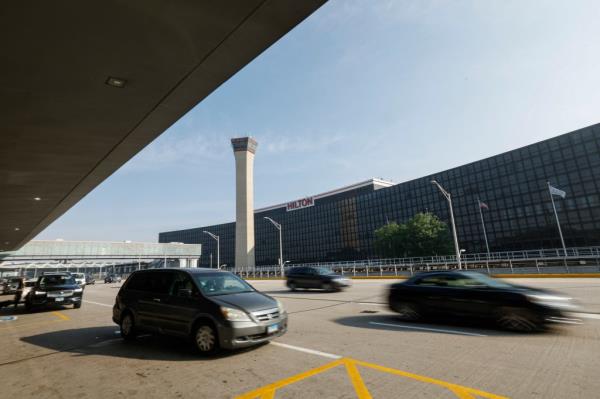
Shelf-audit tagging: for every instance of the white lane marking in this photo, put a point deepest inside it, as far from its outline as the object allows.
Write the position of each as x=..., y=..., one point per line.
x=372, y=303
x=428, y=329
x=306, y=350
x=98, y=303
x=105, y=343
x=587, y=315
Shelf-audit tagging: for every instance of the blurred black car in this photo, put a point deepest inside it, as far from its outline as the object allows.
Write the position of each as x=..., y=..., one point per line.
x=112, y=279
x=315, y=277
x=54, y=289
x=89, y=279
x=474, y=295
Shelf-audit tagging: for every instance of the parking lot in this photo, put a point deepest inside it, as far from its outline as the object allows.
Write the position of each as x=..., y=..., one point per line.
x=339, y=345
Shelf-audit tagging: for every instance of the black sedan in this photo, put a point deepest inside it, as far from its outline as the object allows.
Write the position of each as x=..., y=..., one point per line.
x=54, y=289
x=474, y=295
x=316, y=277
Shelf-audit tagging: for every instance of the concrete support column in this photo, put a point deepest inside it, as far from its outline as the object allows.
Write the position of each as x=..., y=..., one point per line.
x=244, y=149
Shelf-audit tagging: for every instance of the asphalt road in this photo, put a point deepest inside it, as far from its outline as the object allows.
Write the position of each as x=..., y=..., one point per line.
x=339, y=345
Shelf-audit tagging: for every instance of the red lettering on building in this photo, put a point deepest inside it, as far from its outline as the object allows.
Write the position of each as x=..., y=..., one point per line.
x=299, y=204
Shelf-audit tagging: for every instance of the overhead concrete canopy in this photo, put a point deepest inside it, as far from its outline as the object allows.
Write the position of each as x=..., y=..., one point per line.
x=63, y=129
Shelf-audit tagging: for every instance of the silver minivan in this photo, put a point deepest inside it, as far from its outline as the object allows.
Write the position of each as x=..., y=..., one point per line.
x=215, y=309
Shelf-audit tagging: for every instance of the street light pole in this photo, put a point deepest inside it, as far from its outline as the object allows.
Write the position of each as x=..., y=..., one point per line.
x=448, y=197
x=216, y=237
x=278, y=227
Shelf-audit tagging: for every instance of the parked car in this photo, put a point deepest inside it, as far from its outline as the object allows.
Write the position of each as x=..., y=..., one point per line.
x=54, y=289
x=112, y=279
x=316, y=277
x=3, y=286
x=89, y=279
x=14, y=283
x=466, y=294
x=215, y=309
x=79, y=278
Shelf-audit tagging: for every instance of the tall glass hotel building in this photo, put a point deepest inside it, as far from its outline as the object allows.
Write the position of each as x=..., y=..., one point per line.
x=339, y=224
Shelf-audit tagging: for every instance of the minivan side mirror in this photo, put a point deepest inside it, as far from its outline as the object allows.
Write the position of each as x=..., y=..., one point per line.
x=184, y=293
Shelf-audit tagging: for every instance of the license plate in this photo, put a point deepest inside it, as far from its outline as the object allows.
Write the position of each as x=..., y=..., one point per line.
x=272, y=329
x=59, y=299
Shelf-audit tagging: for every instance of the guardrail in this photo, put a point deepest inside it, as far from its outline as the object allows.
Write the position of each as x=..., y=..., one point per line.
x=543, y=261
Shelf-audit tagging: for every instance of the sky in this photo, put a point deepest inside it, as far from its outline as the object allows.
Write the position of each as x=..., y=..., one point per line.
x=389, y=89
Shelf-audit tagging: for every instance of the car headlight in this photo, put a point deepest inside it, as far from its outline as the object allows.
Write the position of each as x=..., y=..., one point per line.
x=549, y=300
x=280, y=306
x=78, y=290
x=232, y=314
x=40, y=292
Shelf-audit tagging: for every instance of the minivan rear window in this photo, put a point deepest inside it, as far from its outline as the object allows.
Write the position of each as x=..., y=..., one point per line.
x=221, y=284
x=155, y=282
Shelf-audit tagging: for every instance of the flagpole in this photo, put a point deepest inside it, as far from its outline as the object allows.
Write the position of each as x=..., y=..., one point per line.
x=562, y=241
x=483, y=226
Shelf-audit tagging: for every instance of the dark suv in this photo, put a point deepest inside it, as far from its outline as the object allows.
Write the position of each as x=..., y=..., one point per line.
x=54, y=289
x=316, y=277
x=216, y=309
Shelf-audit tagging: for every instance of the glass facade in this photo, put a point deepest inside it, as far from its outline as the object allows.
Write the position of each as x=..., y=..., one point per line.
x=341, y=223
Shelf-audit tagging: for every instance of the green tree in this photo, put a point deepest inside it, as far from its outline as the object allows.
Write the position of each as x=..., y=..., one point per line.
x=390, y=239
x=423, y=235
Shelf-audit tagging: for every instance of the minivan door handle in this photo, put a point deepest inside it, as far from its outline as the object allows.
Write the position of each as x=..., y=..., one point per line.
x=156, y=299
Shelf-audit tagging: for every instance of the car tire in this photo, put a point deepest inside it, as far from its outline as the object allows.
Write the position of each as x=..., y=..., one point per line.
x=205, y=338
x=328, y=287
x=407, y=311
x=127, y=327
x=28, y=306
x=77, y=305
x=517, y=319
x=292, y=286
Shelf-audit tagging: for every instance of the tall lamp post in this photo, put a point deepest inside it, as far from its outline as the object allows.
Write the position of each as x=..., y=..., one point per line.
x=278, y=227
x=216, y=237
x=448, y=197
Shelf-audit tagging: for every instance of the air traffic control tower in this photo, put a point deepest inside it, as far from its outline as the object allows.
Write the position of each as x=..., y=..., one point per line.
x=244, y=149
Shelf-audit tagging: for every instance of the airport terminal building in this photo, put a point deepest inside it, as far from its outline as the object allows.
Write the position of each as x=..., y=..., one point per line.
x=340, y=224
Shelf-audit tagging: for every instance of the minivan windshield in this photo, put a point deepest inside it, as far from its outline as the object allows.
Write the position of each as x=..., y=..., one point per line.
x=221, y=284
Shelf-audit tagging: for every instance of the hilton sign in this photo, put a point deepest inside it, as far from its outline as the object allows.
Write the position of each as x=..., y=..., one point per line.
x=299, y=204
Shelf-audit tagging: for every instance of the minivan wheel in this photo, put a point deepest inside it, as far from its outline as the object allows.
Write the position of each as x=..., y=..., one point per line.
x=292, y=286
x=127, y=327
x=205, y=339
x=327, y=287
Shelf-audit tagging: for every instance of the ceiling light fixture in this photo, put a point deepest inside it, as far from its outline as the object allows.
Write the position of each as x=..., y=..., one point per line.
x=17, y=229
x=116, y=82
x=37, y=199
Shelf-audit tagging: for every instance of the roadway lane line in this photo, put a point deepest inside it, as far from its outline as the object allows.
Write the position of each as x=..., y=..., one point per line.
x=428, y=329
x=372, y=303
x=306, y=350
x=98, y=303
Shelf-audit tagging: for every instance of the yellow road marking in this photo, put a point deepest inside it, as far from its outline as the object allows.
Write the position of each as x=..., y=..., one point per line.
x=357, y=381
x=268, y=395
x=61, y=315
x=450, y=386
x=268, y=391
x=258, y=393
x=462, y=393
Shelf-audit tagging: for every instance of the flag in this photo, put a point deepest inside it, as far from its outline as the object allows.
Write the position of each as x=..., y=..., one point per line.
x=556, y=191
x=483, y=205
